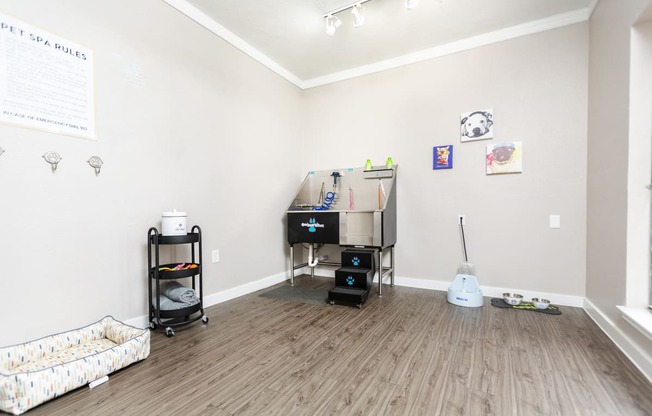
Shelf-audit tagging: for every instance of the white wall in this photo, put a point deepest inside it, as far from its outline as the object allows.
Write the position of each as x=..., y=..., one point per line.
x=184, y=121
x=537, y=87
x=610, y=149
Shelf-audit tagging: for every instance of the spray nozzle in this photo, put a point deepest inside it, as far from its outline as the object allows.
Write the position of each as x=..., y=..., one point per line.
x=335, y=175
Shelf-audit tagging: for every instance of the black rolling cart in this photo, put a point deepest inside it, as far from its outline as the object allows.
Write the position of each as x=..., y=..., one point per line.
x=158, y=272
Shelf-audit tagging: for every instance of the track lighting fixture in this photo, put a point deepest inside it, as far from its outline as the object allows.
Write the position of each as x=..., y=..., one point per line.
x=358, y=15
x=357, y=11
x=332, y=23
x=411, y=4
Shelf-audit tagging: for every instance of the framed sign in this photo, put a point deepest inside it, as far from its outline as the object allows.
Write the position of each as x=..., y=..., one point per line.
x=46, y=82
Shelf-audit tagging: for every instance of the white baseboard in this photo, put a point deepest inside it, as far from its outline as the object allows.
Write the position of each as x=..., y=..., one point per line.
x=637, y=356
x=419, y=283
x=138, y=322
x=245, y=289
x=491, y=291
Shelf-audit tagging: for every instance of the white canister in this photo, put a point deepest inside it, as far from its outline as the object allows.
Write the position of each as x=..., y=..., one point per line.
x=173, y=223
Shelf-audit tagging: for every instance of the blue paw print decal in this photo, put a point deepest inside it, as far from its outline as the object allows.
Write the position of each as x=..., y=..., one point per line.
x=355, y=261
x=350, y=280
x=312, y=228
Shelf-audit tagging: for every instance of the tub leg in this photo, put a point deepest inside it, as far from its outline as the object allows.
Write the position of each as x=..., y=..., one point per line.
x=292, y=264
x=391, y=258
x=380, y=272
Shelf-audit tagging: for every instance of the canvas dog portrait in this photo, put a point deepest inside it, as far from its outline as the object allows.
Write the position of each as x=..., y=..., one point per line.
x=477, y=125
x=442, y=157
x=504, y=158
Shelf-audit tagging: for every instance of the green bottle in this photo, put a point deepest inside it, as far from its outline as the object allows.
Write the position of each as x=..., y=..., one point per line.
x=368, y=165
x=390, y=163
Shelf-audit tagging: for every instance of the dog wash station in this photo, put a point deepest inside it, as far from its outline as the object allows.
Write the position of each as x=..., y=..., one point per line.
x=352, y=207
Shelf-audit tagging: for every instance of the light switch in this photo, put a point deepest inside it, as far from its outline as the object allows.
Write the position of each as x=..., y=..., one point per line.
x=555, y=221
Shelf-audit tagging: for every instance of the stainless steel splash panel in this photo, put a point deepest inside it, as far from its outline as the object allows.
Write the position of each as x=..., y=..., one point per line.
x=363, y=219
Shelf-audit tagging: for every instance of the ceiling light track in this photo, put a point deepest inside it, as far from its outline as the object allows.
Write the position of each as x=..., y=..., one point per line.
x=343, y=8
x=333, y=22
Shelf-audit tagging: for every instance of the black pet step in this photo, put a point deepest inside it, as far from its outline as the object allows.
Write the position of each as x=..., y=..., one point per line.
x=348, y=295
x=355, y=257
x=354, y=277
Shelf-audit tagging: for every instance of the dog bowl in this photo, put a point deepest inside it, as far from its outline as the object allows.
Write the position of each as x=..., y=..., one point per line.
x=541, y=303
x=512, y=298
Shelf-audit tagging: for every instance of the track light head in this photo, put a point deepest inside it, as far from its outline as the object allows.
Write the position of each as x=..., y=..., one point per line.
x=358, y=15
x=332, y=23
x=411, y=4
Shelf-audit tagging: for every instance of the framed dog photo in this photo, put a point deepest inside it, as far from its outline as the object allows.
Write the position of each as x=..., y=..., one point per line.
x=505, y=158
x=477, y=125
x=442, y=157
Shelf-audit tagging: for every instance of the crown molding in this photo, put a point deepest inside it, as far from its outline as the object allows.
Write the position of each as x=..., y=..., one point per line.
x=485, y=39
x=202, y=19
x=591, y=8
x=513, y=32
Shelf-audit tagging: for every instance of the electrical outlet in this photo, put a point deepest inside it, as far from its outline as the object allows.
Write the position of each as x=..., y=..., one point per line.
x=216, y=256
x=461, y=219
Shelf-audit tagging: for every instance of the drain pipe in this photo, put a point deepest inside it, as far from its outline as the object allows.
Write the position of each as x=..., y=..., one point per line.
x=312, y=261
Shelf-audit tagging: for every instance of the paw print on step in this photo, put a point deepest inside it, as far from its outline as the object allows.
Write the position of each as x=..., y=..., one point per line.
x=355, y=261
x=350, y=280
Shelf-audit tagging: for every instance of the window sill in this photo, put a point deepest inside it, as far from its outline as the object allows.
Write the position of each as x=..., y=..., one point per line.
x=639, y=318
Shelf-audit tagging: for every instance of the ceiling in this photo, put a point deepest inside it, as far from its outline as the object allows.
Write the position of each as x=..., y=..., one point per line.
x=289, y=36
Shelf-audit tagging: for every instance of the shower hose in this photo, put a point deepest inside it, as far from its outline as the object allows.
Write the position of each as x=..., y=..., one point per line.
x=328, y=201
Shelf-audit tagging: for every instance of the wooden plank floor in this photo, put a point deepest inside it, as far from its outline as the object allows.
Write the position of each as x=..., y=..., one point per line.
x=407, y=353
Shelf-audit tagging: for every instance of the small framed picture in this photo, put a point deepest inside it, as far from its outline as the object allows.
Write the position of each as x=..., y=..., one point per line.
x=442, y=157
x=505, y=158
x=477, y=125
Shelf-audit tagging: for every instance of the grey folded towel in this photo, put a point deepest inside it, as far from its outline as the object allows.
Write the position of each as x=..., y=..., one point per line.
x=179, y=293
x=168, y=304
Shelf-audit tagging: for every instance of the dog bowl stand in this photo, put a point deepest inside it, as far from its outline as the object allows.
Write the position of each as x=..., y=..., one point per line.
x=525, y=306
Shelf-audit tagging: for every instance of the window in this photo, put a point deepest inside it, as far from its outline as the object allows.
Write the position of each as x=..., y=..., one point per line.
x=639, y=172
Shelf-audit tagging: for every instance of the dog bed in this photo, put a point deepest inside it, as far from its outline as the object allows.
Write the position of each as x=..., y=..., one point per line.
x=40, y=370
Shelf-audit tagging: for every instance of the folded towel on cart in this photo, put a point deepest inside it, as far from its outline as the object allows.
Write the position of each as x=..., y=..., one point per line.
x=179, y=293
x=168, y=304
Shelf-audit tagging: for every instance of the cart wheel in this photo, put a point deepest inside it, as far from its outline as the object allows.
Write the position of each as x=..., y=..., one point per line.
x=331, y=302
x=152, y=325
x=359, y=305
x=204, y=319
x=169, y=332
